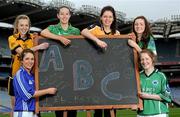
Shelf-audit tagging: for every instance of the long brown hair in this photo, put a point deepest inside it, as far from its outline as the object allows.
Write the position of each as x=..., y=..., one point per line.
x=147, y=32
x=113, y=25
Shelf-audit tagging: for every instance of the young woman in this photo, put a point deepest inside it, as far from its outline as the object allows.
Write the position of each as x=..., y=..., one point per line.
x=21, y=39
x=143, y=37
x=24, y=87
x=107, y=27
x=56, y=32
x=154, y=88
x=63, y=28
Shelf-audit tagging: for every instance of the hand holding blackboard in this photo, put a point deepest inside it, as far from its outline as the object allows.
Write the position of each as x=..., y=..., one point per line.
x=101, y=43
x=65, y=41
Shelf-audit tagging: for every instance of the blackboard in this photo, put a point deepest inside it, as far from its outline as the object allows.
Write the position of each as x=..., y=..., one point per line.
x=86, y=76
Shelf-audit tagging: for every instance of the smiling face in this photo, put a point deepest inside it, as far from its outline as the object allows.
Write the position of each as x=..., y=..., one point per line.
x=28, y=61
x=23, y=26
x=107, y=18
x=146, y=61
x=64, y=15
x=139, y=26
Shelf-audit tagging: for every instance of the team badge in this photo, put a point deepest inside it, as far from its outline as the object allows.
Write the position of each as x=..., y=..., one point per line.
x=155, y=82
x=30, y=82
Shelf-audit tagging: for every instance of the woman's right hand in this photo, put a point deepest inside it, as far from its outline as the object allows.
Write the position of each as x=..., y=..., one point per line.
x=132, y=36
x=101, y=44
x=65, y=41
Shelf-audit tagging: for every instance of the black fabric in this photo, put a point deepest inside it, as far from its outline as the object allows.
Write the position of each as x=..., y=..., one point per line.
x=99, y=113
x=27, y=37
x=14, y=50
x=10, y=86
x=71, y=113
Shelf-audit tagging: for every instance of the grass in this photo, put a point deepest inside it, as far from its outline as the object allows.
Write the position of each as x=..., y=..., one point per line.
x=174, y=112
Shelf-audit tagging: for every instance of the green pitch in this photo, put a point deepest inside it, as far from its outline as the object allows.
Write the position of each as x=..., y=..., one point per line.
x=174, y=112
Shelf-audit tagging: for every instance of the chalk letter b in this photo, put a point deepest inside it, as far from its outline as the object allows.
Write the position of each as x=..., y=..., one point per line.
x=82, y=75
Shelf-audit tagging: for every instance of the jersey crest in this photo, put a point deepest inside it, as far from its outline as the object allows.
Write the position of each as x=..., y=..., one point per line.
x=155, y=82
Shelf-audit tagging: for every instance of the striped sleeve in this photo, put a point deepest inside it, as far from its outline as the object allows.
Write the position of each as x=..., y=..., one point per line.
x=22, y=86
x=13, y=44
x=165, y=92
x=152, y=45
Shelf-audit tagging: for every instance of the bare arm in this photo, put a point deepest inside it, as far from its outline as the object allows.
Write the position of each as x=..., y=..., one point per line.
x=41, y=46
x=134, y=45
x=85, y=32
x=35, y=48
x=44, y=92
x=150, y=96
x=46, y=33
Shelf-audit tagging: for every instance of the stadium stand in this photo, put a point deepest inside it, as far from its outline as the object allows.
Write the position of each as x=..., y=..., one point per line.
x=5, y=68
x=166, y=28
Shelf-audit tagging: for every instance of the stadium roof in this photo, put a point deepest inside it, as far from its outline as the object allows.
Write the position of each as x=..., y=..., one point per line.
x=42, y=14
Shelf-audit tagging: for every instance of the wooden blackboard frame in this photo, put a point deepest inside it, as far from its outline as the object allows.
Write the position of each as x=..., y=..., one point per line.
x=89, y=107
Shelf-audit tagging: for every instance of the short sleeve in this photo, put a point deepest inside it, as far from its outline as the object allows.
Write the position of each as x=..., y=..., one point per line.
x=13, y=44
x=51, y=28
x=94, y=29
x=117, y=32
x=152, y=45
x=91, y=26
x=77, y=31
x=165, y=90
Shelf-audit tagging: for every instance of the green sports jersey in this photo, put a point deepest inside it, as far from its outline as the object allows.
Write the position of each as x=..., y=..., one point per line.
x=155, y=83
x=151, y=45
x=58, y=30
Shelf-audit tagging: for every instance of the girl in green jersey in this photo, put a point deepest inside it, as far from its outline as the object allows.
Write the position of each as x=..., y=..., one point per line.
x=141, y=38
x=154, y=88
x=56, y=32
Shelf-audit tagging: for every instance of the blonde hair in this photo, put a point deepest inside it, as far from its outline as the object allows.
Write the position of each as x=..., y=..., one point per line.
x=19, y=17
